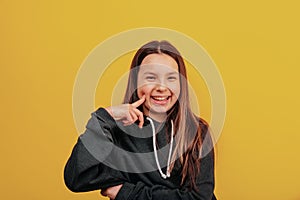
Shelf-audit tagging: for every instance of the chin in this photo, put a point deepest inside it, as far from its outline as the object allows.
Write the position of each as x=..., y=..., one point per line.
x=159, y=109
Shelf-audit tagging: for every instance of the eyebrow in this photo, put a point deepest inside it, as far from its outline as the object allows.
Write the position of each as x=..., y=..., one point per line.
x=151, y=73
x=170, y=73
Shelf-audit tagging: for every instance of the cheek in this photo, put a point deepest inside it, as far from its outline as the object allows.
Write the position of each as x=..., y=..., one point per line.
x=144, y=90
x=175, y=88
x=140, y=88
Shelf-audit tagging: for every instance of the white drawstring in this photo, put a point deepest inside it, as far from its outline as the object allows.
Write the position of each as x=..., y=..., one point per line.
x=155, y=150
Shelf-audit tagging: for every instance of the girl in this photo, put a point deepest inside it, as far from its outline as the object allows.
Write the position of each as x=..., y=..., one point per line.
x=170, y=151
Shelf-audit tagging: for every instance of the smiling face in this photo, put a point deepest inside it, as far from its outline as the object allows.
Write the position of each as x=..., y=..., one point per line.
x=158, y=80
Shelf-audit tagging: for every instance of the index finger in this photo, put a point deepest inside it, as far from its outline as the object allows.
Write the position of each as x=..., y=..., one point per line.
x=139, y=102
x=140, y=117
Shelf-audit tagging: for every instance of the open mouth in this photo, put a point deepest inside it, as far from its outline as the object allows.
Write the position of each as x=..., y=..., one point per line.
x=160, y=99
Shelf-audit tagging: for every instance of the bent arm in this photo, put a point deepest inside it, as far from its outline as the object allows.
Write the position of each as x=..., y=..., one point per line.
x=205, y=185
x=84, y=170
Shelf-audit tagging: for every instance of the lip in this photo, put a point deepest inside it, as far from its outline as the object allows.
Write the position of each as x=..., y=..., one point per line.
x=160, y=100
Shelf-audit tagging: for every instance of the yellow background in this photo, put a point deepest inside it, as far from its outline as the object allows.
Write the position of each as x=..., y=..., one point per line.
x=254, y=43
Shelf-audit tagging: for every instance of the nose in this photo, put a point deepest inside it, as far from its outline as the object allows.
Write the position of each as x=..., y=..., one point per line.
x=161, y=86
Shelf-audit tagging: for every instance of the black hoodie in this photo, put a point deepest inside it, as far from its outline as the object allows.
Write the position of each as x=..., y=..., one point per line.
x=109, y=154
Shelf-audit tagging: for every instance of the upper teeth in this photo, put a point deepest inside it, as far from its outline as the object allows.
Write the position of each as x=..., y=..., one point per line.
x=160, y=98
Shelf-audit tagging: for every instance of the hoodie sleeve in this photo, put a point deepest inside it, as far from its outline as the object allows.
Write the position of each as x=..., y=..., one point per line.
x=205, y=185
x=84, y=170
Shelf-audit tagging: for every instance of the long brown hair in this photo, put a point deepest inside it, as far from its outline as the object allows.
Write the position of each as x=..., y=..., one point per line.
x=188, y=132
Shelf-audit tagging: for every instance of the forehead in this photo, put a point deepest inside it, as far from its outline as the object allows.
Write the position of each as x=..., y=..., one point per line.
x=160, y=61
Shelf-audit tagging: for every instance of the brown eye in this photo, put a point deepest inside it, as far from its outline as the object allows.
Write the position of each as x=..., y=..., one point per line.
x=150, y=78
x=172, y=78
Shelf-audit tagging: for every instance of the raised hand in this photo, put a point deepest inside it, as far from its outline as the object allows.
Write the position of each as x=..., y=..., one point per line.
x=128, y=113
